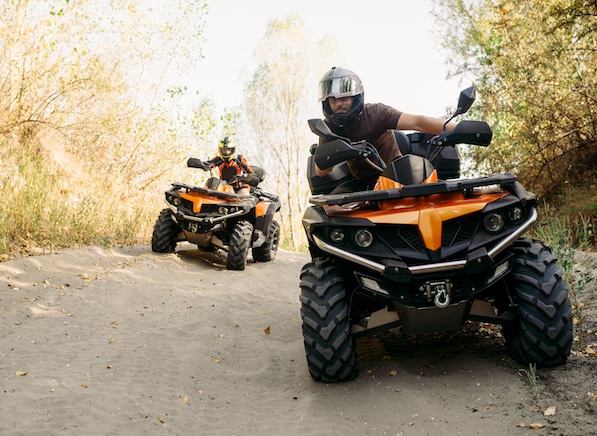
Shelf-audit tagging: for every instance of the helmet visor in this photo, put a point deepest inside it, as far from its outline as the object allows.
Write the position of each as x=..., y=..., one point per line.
x=339, y=87
x=226, y=151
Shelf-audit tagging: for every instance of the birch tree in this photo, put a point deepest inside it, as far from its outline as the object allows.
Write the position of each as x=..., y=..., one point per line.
x=280, y=97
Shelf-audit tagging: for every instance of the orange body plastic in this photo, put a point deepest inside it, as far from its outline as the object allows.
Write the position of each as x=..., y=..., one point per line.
x=428, y=213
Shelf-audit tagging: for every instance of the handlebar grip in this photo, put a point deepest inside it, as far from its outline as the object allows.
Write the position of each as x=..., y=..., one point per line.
x=193, y=162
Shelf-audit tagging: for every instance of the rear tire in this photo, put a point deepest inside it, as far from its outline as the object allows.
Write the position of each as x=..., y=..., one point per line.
x=544, y=332
x=238, y=249
x=329, y=346
x=267, y=252
x=165, y=233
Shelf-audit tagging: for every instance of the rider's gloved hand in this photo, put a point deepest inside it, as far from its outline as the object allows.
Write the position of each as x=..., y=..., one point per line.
x=207, y=164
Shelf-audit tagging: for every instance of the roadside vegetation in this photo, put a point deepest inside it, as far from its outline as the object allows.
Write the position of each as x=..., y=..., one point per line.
x=92, y=130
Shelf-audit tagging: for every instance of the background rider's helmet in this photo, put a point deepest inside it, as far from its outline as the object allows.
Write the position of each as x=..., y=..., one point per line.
x=227, y=148
x=340, y=82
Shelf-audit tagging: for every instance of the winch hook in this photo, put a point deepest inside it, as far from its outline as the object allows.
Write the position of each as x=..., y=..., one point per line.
x=442, y=298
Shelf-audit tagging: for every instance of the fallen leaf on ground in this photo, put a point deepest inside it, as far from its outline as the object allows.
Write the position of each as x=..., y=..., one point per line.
x=21, y=373
x=550, y=411
x=217, y=359
x=393, y=373
x=536, y=425
x=186, y=399
x=266, y=330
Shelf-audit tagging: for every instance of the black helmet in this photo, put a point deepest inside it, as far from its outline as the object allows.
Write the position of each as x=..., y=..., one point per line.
x=340, y=82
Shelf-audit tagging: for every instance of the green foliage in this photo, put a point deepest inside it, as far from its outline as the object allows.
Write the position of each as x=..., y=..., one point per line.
x=90, y=126
x=561, y=233
x=533, y=381
x=535, y=66
x=278, y=106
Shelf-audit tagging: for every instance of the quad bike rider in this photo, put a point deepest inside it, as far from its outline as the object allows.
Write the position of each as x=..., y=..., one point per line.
x=215, y=216
x=425, y=254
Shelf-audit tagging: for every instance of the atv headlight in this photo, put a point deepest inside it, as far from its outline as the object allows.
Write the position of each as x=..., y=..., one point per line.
x=222, y=210
x=176, y=201
x=363, y=238
x=516, y=214
x=337, y=235
x=493, y=222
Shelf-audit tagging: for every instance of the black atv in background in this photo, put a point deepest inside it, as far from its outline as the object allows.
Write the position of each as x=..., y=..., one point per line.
x=425, y=254
x=214, y=217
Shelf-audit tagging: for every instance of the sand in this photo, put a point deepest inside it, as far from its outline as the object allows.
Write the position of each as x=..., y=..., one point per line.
x=123, y=341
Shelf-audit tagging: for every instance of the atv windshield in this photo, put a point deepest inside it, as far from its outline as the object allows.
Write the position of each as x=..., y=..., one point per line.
x=409, y=170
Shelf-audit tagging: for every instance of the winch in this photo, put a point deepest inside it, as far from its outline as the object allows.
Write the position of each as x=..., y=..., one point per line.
x=438, y=291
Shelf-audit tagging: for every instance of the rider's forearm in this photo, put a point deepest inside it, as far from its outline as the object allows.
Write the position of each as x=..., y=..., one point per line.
x=321, y=172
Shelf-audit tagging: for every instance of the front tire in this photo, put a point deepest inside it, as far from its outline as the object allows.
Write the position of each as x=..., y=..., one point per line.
x=240, y=241
x=267, y=252
x=165, y=233
x=329, y=346
x=543, y=334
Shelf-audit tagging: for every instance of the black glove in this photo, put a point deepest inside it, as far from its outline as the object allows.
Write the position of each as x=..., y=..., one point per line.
x=249, y=179
x=207, y=164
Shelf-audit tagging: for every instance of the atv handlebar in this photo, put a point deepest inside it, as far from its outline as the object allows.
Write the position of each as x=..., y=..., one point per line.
x=250, y=179
x=193, y=162
x=465, y=132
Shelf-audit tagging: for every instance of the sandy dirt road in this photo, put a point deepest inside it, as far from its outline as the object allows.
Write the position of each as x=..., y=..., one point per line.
x=123, y=341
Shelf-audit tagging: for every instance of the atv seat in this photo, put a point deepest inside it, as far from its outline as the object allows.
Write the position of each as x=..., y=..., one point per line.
x=259, y=172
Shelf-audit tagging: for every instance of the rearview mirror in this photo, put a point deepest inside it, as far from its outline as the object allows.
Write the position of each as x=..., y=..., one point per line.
x=466, y=100
x=320, y=128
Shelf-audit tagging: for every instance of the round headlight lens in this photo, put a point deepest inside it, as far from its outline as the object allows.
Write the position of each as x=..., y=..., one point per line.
x=363, y=238
x=493, y=222
x=222, y=210
x=515, y=214
x=176, y=201
x=337, y=235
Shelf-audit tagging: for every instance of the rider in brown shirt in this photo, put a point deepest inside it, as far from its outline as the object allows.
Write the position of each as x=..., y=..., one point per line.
x=344, y=109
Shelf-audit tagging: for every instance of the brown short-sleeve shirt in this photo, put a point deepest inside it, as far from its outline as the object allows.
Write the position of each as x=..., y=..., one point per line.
x=375, y=126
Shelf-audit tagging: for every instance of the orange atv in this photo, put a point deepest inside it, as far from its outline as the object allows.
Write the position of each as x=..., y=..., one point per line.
x=215, y=217
x=425, y=255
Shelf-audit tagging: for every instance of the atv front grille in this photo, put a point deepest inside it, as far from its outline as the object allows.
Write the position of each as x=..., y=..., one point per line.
x=459, y=230
x=402, y=237
x=407, y=237
x=210, y=209
x=186, y=205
